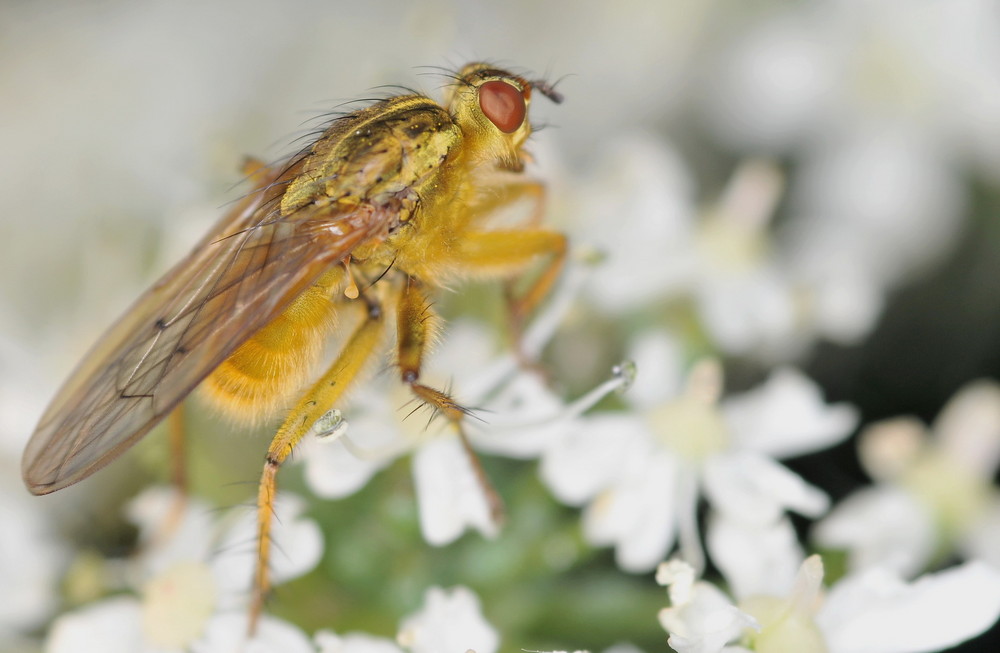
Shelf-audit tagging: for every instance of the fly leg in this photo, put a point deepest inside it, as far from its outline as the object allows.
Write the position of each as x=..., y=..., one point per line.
x=510, y=253
x=485, y=250
x=415, y=325
x=178, y=450
x=314, y=404
x=178, y=470
x=505, y=190
x=178, y=479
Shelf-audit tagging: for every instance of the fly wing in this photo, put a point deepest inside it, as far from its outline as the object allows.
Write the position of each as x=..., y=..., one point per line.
x=239, y=278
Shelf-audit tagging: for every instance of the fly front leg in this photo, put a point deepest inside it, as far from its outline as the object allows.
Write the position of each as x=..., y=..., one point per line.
x=503, y=192
x=325, y=393
x=416, y=323
x=509, y=253
x=490, y=248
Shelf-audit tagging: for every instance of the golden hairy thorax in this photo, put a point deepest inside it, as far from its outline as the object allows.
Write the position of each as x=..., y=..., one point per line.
x=421, y=162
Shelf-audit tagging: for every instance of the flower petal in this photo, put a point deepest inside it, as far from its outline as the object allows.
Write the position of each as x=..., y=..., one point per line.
x=329, y=642
x=705, y=623
x=32, y=562
x=450, y=495
x=297, y=548
x=787, y=416
x=750, y=487
x=969, y=427
x=110, y=626
x=880, y=526
x=227, y=633
x=643, y=203
x=875, y=612
x=749, y=310
x=755, y=559
x=983, y=539
x=589, y=459
x=638, y=514
x=660, y=369
x=187, y=538
x=450, y=621
x=468, y=349
x=524, y=419
x=332, y=471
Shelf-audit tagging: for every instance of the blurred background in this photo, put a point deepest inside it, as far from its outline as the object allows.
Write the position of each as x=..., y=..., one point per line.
x=122, y=129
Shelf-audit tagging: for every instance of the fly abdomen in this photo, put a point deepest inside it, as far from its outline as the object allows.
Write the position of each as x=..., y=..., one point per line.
x=264, y=373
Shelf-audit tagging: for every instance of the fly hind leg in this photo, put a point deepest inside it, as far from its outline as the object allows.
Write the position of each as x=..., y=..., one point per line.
x=312, y=406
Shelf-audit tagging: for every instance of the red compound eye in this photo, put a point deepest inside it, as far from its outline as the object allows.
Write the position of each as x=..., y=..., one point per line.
x=503, y=104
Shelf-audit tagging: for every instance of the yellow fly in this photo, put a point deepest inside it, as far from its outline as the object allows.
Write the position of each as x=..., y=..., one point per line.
x=389, y=204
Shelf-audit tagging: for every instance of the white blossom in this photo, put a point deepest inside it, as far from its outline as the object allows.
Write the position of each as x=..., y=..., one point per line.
x=640, y=474
x=934, y=491
x=328, y=641
x=877, y=103
x=32, y=560
x=449, y=621
x=871, y=612
x=658, y=246
x=113, y=626
x=190, y=583
x=701, y=618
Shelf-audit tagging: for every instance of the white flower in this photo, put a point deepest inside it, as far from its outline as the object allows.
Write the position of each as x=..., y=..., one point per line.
x=638, y=210
x=513, y=414
x=879, y=103
x=32, y=561
x=701, y=618
x=658, y=246
x=833, y=68
x=22, y=393
x=757, y=291
x=641, y=473
x=33, y=558
x=113, y=626
x=191, y=582
x=755, y=559
x=450, y=621
x=851, y=197
x=876, y=611
x=934, y=490
x=872, y=612
x=328, y=641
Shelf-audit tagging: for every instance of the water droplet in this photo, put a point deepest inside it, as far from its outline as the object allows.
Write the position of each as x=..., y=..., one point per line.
x=331, y=426
x=626, y=370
